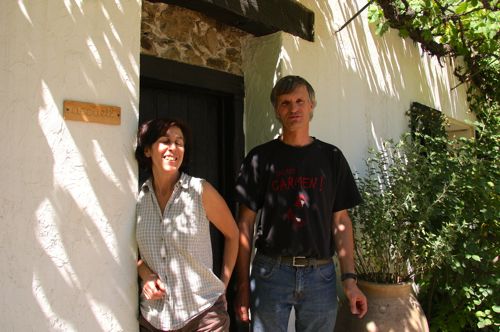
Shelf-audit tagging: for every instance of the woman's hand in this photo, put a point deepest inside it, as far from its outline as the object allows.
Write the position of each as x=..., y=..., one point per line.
x=153, y=288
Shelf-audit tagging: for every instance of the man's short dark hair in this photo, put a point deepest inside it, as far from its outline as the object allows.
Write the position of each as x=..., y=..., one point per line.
x=289, y=83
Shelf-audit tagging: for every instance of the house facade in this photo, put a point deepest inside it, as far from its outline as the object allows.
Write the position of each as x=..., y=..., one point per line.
x=68, y=201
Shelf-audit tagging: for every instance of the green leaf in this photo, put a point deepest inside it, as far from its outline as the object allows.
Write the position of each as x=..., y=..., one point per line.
x=403, y=33
x=473, y=257
x=462, y=8
x=484, y=322
x=480, y=314
x=382, y=28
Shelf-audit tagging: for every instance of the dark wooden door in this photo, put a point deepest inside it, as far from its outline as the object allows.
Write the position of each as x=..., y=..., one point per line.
x=211, y=103
x=204, y=112
x=213, y=109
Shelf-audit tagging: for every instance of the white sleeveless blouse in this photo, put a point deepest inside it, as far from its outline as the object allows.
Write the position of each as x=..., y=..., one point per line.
x=177, y=247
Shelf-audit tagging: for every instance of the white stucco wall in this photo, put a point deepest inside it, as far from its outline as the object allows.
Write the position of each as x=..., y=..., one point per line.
x=364, y=83
x=67, y=199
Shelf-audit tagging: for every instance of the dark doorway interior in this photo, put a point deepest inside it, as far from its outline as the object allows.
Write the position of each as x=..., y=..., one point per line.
x=209, y=115
x=211, y=103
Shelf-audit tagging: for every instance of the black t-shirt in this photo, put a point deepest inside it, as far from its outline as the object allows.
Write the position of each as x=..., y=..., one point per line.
x=297, y=190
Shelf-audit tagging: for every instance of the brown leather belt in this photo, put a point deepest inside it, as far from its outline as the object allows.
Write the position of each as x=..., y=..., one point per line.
x=301, y=261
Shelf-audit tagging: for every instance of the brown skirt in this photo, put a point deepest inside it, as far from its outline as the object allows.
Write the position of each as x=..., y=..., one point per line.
x=214, y=319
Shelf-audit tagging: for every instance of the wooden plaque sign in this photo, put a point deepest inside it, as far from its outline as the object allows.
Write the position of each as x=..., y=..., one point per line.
x=88, y=112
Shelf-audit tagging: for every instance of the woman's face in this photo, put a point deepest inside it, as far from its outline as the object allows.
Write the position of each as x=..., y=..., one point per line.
x=167, y=153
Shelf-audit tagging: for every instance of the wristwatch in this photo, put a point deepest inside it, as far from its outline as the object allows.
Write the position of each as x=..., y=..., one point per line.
x=346, y=276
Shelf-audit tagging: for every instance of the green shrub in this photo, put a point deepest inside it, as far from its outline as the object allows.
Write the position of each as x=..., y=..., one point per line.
x=399, y=235
x=431, y=214
x=462, y=293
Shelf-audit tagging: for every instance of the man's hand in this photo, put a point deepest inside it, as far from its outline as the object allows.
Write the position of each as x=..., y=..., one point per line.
x=357, y=300
x=242, y=303
x=153, y=288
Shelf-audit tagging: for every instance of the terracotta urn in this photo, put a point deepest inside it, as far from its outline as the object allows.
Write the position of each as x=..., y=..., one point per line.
x=391, y=308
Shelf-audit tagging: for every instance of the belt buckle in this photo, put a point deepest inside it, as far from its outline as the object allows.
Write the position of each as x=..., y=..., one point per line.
x=294, y=261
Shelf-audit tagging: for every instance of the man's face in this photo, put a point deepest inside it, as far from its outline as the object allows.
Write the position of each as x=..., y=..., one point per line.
x=294, y=109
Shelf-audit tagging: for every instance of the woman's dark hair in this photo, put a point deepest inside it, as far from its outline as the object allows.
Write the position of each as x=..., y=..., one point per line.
x=150, y=131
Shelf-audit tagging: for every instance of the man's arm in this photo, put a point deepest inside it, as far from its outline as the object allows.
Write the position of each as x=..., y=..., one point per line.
x=344, y=242
x=246, y=222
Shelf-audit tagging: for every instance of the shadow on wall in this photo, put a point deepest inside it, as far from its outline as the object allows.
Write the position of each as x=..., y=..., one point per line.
x=68, y=250
x=268, y=52
x=376, y=77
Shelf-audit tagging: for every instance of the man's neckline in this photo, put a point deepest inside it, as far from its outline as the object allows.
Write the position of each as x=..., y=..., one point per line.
x=312, y=139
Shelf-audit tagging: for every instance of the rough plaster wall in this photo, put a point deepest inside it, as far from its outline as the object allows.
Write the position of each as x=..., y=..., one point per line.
x=67, y=204
x=261, y=58
x=364, y=83
x=183, y=35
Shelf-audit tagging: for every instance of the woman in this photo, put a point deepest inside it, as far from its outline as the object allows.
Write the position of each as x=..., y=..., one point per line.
x=180, y=292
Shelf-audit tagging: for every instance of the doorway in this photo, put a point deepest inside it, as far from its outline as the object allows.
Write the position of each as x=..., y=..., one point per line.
x=211, y=104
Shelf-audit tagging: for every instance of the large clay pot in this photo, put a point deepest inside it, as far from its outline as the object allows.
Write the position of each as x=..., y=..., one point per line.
x=391, y=308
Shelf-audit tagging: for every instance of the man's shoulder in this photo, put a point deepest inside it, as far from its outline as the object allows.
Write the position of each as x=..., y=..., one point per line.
x=264, y=147
x=326, y=146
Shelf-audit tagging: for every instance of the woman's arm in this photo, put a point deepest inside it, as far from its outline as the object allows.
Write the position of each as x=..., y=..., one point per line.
x=219, y=215
x=152, y=288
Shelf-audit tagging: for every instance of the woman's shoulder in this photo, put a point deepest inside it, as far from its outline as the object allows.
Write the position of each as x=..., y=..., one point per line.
x=144, y=189
x=188, y=181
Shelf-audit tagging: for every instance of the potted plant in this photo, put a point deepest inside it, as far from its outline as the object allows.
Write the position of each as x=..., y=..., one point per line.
x=397, y=236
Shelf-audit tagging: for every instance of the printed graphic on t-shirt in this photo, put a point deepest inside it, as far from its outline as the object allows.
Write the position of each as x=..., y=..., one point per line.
x=296, y=214
x=288, y=180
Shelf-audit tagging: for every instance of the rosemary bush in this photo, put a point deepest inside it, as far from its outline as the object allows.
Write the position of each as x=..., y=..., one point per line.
x=431, y=215
x=397, y=234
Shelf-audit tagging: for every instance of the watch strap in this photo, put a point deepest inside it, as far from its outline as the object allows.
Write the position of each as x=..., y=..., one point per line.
x=346, y=276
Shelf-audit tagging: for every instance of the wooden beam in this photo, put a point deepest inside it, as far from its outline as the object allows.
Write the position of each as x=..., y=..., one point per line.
x=186, y=74
x=258, y=17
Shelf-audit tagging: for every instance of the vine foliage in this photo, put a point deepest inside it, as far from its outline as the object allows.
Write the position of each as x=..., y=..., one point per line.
x=465, y=29
x=460, y=177
x=431, y=215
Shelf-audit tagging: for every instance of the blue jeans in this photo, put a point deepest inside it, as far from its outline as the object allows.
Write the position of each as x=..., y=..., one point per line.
x=276, y=288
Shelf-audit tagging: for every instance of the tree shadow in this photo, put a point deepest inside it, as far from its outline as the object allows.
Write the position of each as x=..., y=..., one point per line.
x=364, y=82
x=68, y=244
x=268, y=53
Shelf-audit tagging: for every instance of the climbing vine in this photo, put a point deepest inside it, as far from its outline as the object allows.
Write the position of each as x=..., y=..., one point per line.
x=465, y=29
x=459, y=294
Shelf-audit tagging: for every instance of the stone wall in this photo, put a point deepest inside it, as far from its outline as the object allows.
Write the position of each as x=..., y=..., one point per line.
x=187, y=36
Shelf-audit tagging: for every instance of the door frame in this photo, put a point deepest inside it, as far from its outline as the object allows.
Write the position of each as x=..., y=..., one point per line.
x=186, y=74
x=170, y=71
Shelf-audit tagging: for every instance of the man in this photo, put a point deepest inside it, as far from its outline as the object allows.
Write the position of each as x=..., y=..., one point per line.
x=303, y=188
